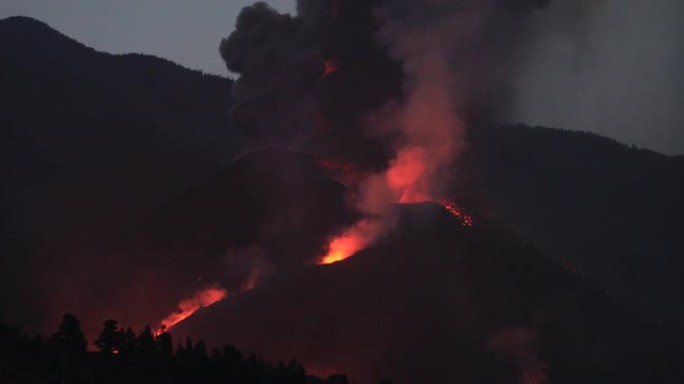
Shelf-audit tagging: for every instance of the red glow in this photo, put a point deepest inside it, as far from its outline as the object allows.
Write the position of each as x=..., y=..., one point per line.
x=329, y=67
x=405, y=176
x=201, y=299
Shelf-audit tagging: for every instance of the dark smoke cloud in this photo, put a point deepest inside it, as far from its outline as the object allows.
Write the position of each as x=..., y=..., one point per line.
x=418, y=72
x=278, y=63
x=448, y=63
x=282, y=96
x=599, y=65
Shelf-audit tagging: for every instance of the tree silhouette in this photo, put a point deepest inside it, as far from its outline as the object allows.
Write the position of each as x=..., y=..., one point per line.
x=69, y=338
x=125, y=357
x=109, y=340
x=165, y=345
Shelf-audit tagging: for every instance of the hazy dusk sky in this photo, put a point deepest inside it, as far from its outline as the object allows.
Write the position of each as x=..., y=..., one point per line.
x=182, y=31
x=616, y=71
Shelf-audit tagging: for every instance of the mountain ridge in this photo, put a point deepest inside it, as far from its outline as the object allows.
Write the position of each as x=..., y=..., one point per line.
x=32, y=28
x=436, y=300
x=91, y=142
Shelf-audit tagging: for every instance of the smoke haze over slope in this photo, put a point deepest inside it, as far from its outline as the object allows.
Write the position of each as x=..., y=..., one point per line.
x=608, y=66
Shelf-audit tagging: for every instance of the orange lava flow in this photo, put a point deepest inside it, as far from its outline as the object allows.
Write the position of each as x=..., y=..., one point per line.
x=342, y=248
x=456, y=211
x=201, y=299
x=350, y=241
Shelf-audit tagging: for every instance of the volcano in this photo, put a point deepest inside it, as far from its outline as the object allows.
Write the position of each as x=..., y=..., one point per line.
x=273, y=204
x=438, y=301
x=439, y=298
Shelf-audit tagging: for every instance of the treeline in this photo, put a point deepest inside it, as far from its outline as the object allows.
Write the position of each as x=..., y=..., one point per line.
x=122, y=356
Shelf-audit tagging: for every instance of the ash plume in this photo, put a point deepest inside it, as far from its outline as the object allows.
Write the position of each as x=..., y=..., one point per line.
x=450, y=53
x=403, y=77
x=441, y=66
x=287, y=94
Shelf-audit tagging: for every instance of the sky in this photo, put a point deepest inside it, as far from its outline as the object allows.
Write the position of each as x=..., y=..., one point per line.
x=616, y=72
x=186, y=32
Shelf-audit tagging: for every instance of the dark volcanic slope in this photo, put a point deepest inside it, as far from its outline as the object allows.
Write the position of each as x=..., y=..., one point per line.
x=439, y=302
x=270, y=210
x=612, y=211
x=89, y=142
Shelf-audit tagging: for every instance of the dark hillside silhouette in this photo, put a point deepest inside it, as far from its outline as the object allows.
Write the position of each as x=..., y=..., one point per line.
x=439, y=302
x=610, y=211
x=89, y=143
x=270, y=210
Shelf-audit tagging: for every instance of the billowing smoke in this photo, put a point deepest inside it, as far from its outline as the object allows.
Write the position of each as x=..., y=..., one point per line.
x=306, y=79
x=407, y=75
x=449, y=52
x=277, y=61
x=310, y=81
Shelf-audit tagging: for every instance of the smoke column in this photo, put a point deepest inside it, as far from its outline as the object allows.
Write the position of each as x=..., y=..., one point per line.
x=429, y=133
x=447, y=71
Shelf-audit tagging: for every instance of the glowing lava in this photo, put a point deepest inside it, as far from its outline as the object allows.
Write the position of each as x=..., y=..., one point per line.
x=456, y=211
x=406, y=181
x=350, y=241
x=342, y=248
x=201, y=299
